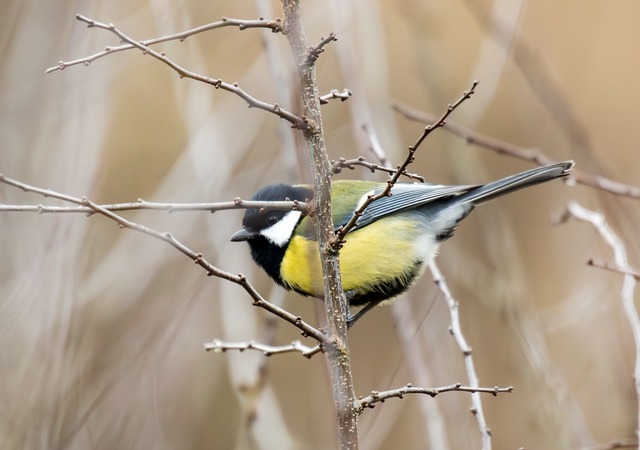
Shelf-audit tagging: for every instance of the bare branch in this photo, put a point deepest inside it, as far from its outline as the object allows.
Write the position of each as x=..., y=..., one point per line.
x=405, y=326
x=341, y=163
x=527, y=154
x=335, y=94
x=380, y=397
x=313, y=53
x=375, y=146
x=274, y=25
x=335, y=303
x=296, y=121
x=154, y=206
x=629, y=284
x=167, y=237
x=442, y=120
x=456, y=331
x=342, y=231
x=615, y=268
x=295, y=347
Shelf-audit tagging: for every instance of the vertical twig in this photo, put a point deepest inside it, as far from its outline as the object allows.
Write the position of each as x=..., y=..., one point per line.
x=628, y=287
x=456, y=330
x=404, y=322
x=335, y=302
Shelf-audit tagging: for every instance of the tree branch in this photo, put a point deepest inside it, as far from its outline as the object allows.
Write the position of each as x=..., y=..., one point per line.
x=154, y=206
x=342, y=231
x=267, y=350
x=629, y=284
x=342, y=163
x=167, y=237
x=456, y=331
x=527, y=154
x=335, y=94
x=313, y=53
x=274, y=25
x=296, y=121
x=615, y=268
x=380, y=397
x=375, y=146
x=335, y=303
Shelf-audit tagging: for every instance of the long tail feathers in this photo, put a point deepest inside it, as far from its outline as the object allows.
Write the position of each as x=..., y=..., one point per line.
x=515, y=182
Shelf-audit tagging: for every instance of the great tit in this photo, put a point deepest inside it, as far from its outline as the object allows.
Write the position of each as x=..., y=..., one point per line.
x=392, y=242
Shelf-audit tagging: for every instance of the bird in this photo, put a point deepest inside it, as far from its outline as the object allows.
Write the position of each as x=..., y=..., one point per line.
x=391, y=243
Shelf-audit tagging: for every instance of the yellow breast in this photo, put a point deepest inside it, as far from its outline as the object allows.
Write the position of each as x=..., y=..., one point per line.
x=371, y=255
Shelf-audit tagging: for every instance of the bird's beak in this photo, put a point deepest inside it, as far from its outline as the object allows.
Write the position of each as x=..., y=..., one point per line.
x=243, y=235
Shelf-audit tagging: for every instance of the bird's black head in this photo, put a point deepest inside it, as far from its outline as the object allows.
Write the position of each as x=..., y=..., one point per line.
x=268, y=232
x=276, y=226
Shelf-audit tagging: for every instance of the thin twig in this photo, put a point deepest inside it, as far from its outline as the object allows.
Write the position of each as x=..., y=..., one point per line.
x=167, y=237
x=405, y=326
x=615, y=268
x=313, y=53
x=342, y=163
x=335, y=94
x=456, y=331
x=380, y=397
x=527, y=154
x=375, y=146
x=342, y=231
x=155, y=206
x=628, y=287
x=295, y=347
x=274, y=25
x=296, y=121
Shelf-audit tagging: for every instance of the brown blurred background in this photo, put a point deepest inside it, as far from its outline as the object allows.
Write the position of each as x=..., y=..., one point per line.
x=102, y=329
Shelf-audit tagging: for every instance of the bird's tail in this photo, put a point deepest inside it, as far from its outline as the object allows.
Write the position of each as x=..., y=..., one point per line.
x=514, y=182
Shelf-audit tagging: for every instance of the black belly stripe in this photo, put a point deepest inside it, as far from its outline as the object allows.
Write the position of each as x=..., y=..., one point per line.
x=386, y=289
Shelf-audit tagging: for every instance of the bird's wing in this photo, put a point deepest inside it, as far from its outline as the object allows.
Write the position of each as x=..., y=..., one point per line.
x=406, y=196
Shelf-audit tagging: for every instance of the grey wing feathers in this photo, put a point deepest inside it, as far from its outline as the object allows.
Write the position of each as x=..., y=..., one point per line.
x=406, y=196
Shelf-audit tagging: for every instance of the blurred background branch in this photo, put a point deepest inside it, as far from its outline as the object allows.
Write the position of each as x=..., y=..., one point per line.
x=536, y=156
x=402, y=317
x=618, y=247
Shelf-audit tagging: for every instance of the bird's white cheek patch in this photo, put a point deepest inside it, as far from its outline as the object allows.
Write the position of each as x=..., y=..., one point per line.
x=280, y=232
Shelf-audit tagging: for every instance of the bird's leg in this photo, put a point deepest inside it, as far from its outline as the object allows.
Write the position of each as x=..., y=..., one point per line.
x=352, y=318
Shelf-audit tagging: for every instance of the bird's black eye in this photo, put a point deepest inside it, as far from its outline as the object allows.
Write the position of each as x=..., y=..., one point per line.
x=271, y=220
